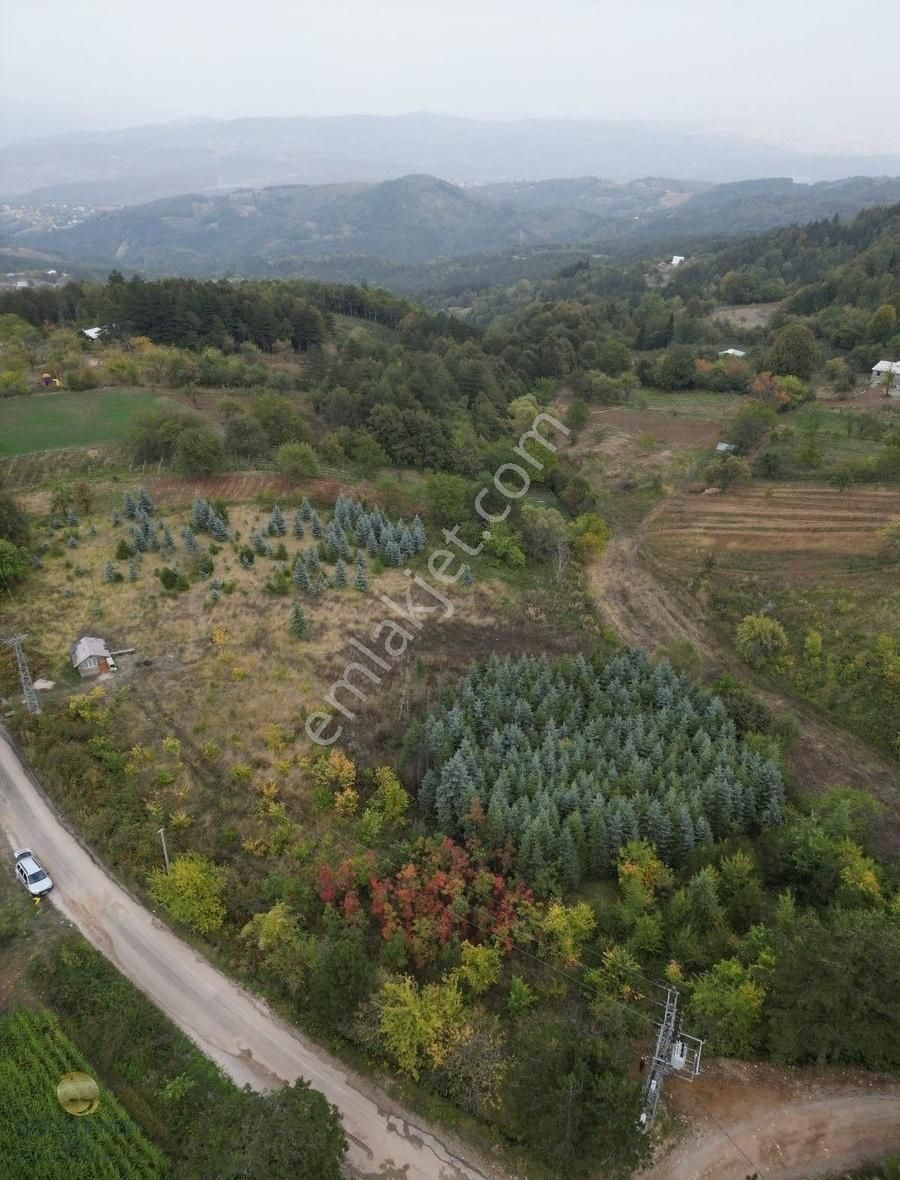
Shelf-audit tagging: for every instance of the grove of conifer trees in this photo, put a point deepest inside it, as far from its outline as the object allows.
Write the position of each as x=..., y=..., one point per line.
x=564, y=763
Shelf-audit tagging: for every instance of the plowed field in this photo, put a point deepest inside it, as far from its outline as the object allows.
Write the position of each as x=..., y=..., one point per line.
x=778, y=519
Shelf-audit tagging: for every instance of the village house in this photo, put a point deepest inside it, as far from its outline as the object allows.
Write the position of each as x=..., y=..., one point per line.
x=732, y=352
x=92, y=657
x=880, y=376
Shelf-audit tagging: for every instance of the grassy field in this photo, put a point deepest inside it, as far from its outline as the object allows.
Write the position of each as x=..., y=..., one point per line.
x=41, y=1140
x=237, y=703
x=687, y=404
x=821, y=435
x=49, y=421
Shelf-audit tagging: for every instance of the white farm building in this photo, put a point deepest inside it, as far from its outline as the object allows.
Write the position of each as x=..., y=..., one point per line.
x=880, y=376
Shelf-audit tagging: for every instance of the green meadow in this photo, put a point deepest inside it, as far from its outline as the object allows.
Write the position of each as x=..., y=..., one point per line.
x=47, y=421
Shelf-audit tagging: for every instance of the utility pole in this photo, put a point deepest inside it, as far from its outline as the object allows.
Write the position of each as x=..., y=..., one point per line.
x=675, y=1053
x=162, y=836
x=31, y=701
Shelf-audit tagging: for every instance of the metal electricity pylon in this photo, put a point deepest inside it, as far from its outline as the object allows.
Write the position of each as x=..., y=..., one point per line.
x=31, y=701
x=675, y=1053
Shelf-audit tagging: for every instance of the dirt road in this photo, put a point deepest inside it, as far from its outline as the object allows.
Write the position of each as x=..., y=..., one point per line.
x=231, y=1026
x=740, y=1118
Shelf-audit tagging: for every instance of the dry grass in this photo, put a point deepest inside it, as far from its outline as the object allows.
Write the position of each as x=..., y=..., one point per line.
x=238, y=707
x=745, y=315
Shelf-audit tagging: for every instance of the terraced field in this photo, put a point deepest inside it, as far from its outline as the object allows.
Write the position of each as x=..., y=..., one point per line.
x=777, y=519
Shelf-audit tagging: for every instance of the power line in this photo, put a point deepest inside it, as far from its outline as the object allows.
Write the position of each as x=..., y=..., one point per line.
x=755, y=1166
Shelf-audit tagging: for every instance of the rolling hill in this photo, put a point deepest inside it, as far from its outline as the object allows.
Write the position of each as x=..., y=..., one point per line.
x=353, y=230
x=139, y=164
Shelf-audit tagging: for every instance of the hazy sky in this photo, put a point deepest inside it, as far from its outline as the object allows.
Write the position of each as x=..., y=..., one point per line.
x=820, y=73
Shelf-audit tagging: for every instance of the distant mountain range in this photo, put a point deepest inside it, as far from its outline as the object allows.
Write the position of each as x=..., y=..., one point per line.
x=139, y=164
x=360, y=230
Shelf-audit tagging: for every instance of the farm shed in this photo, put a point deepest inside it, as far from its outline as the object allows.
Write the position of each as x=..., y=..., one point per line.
x=725, y=448
x=879, y=376
x=92, y=657
x=732, y=352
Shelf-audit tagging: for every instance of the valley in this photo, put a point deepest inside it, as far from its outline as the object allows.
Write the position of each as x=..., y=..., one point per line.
x=647, y=740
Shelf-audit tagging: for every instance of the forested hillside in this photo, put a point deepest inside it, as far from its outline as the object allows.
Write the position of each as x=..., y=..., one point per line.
x=416, y=227
x=529, y=828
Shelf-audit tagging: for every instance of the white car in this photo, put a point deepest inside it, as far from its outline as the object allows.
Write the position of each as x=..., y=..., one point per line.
x=31, y=874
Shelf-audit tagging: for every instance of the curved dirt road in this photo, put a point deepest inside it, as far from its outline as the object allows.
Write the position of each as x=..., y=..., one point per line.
x=740, y=1117
x=832, y=1134
x=237, y=1030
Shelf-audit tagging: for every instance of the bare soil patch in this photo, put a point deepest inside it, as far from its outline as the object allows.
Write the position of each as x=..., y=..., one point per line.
x=739, y=1117
x=664, y=428
x=780, y=518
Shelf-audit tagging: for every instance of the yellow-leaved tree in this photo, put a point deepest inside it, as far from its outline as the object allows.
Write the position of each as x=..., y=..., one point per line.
x=192, y=891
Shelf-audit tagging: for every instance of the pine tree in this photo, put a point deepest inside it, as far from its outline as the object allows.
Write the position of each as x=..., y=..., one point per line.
x=569, y=862
x=219, y=528
x=191, y=544
x=168, y=545
x=200, y=515
x=116, y=518
x=306, y=509
x=312, y=559
x=299, y=625
x=418, y=533
x=72, y=519
x=145, y=503
x=133, y=570
x=340, y=575
x=297, y=527
x=129, y=506
x=467, y=577
x=315, y=523
x=109, y=572
x=259, y=543
x=406, y=543
x=300, y=576
x=361, y=581
x=277, y=527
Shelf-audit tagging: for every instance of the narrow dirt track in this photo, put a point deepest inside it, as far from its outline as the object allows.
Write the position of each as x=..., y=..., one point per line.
x=649, y=610
x=237, y=1030
x=804, y=1140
